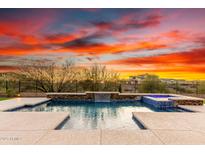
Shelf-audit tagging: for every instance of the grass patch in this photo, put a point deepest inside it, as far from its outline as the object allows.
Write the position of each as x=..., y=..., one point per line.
x=3, y=98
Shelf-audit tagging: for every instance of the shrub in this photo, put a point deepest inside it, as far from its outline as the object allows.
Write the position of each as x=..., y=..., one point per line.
x=152, y=84
x=201, y=88
x=11, y=93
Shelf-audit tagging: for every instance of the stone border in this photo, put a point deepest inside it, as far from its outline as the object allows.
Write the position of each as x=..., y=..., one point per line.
x=116, y=96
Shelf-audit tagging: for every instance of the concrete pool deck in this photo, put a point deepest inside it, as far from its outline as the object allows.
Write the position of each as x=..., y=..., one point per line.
x=194, y=108
x=102, y=137
x=172, y=120
x=79, y=137
x=39, y=127
x=175, y=128
x=162, y=128
x=14, y=121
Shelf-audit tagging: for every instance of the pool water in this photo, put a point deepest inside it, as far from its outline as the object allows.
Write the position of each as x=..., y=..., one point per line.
x=90, y=115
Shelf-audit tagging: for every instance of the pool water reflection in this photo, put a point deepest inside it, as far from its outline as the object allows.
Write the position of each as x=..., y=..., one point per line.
x=90, y=115
x=104, y=115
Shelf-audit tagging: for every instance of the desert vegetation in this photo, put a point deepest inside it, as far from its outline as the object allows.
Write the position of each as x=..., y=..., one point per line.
x=99, y=78
x=50, y=76
x=40, y=76
x=152, y=84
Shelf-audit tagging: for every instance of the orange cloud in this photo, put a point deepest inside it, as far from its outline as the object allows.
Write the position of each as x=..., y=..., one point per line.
x=21, y=49
x=59, y=38
x=27, y=31
x=99, y=48
x=29, y=39
x=193, y=61
x=127, y=22
x=8, y=68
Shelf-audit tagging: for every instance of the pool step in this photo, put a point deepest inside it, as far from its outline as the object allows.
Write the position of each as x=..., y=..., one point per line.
x=62, y=123
x=139, y=123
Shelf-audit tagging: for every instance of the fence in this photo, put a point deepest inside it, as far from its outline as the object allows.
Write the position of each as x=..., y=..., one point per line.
x=32, y=87
x=189, y=88
x=35, y=88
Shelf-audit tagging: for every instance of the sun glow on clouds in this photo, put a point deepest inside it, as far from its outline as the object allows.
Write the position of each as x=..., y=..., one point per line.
x=166, y=42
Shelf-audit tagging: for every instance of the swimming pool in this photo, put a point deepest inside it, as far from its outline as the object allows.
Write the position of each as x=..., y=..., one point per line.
x=103, y=115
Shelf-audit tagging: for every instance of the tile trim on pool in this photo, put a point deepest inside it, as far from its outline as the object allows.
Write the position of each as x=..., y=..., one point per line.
x=116, y=96
x=159, y=103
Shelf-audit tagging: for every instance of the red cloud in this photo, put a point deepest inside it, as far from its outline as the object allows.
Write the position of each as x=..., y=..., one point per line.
x=60, y=38
x=99, y=48
x=8, y=68
x=184, y=61
x=128, y=22
x=27, y=27
x=177, y=35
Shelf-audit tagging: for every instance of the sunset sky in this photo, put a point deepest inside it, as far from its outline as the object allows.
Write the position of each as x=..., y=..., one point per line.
x=166, y=42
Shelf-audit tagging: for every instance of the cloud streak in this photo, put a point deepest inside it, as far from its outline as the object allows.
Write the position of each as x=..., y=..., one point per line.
x=154, y=40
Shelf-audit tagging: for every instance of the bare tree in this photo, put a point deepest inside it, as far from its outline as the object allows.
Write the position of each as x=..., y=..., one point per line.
x=98, y=74
x=50, y=76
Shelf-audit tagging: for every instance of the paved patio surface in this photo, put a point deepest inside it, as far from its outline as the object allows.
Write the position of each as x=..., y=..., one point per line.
x=180, y=137
x=20, y=102
x=71, y=137
x=21, y=137
x=194, y=108
x=172, y=120
x=38, y=127
x=163, y=128
x=129, y=137
x=10, y=121
x=175, y=128
x=79, y=137
x=104, y=137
